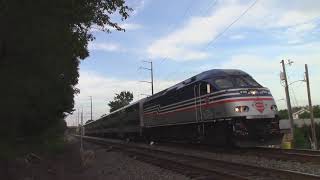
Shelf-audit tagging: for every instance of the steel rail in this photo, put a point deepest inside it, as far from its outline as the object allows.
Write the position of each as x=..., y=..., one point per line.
x=238, y=170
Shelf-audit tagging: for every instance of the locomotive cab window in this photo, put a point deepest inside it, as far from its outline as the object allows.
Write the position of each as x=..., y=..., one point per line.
x=240, y=82
x=223, y=83
x=245, y=81
x=251, y=81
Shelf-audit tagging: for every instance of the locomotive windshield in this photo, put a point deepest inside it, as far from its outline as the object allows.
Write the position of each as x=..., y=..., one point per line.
x=228, y=82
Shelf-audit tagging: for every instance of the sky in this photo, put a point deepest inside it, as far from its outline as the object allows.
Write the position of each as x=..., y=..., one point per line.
x=186, y=37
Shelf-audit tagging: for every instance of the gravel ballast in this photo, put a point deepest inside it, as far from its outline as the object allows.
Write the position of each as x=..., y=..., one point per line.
x=251, y=160
x=109, y=164
x=126, y=163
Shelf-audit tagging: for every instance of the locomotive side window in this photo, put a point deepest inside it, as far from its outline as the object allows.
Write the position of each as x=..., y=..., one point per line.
x=205, y=88
x=208, y=88
x=223, y=83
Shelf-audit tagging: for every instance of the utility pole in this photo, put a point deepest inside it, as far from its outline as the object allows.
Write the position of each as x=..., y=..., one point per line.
x=151, y=74
x=288, y=97
x=313, y=131
x=81, y=131
x=91, y=106
x=78, y=119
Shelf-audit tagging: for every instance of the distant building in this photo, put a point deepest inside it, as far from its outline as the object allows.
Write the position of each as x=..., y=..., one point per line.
x=296, y=115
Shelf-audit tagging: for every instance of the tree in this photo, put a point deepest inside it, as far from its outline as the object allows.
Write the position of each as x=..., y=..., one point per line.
x=316, y=111
x=304, y=115
x=283, y=114
x=120, y=100
x=41, y=45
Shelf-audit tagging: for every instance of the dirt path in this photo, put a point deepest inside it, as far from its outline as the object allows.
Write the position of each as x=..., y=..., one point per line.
x=105, y=164
x=65, y=165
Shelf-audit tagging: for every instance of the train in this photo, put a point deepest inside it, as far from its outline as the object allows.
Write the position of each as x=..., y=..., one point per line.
x=223, y=107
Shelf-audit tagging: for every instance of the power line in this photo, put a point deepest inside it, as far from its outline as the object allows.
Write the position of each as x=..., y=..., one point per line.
x=222, y=32
x=172, y=25
x=212, y=4
x=232, y=23
x=183, y=16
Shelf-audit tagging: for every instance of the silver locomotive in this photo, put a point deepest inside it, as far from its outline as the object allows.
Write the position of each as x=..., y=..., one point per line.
x=219, y=106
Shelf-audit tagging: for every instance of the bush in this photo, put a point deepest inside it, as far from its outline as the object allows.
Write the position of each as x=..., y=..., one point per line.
x=301, y=137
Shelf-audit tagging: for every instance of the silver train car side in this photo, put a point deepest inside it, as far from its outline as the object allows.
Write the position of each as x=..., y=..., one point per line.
x=219, y=106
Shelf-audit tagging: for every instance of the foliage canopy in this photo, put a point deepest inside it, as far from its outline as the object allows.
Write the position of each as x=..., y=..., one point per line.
x=41, y=45
x=120, y=100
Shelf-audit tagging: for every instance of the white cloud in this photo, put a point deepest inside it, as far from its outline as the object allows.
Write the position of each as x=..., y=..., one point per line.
x=95, y=28
x=126, y=26
x=280, y=14
x=184, y=43
x=295, y=17
x=297, y=33
x=130, y=26
x=251, y=63
x=237, y=37
x=137, y=6
x=102, y=89
x=110, y=47
x=180, y=44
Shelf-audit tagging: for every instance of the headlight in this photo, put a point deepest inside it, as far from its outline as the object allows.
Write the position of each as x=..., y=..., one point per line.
x=274, y=108
x=253, y=92
x=240, y=109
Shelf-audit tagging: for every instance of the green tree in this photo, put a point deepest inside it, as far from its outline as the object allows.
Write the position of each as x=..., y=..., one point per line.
x=283, y=114
x=120, y=100
x=41, y=45
x=304, y=115
x=316, y=111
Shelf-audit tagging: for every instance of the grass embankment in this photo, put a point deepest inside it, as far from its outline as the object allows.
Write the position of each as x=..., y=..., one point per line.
x=42, y=145
x=302, y=136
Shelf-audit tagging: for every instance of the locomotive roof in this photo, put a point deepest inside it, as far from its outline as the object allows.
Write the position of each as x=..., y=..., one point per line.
x=201, y=76
x=218, y=72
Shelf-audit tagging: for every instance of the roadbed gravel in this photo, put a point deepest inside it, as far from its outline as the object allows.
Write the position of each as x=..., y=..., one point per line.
x=109, y=164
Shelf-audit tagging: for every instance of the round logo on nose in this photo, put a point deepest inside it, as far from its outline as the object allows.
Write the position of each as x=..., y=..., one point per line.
x=259, y=106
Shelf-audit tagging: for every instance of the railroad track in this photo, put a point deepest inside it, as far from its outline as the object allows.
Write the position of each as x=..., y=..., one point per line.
x=198, y=167
x=292, y=151
x=296, y=155
x=304, y=156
